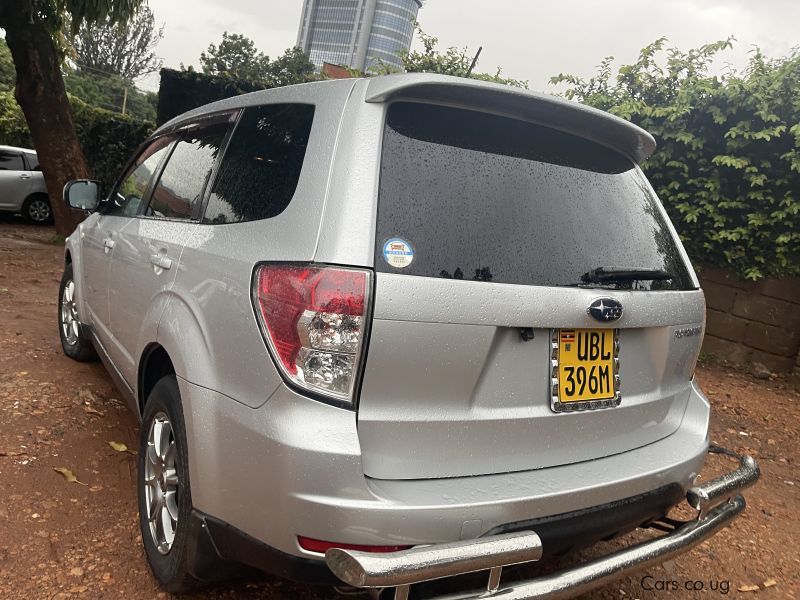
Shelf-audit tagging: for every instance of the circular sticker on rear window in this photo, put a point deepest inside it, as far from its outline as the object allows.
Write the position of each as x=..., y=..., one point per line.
x=398, y=253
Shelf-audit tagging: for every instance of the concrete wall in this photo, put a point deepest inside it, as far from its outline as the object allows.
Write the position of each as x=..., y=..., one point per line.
x=752, y=322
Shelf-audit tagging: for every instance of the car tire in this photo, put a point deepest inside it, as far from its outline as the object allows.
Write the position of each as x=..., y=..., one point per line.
x=37, y=210
x=74, y=343
x=164, y=492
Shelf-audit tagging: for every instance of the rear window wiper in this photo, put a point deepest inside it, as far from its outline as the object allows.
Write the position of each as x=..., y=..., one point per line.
x=619, y=274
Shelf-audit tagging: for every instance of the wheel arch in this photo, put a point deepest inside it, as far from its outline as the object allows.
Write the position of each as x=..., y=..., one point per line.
x=154, y=364
x=32, y=195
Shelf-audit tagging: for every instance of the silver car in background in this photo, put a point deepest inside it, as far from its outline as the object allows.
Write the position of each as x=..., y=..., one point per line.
x=22, y=188
x=388, y=331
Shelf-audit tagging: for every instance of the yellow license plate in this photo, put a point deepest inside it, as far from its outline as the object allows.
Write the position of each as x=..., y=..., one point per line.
x=585, y=365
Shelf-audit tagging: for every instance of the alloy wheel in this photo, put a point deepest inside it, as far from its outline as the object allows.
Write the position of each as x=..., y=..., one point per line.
x=161, y=483
x=39, y=211
x=69, y=314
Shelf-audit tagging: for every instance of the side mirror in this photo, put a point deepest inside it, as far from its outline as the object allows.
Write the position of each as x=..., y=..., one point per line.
x=83, y=194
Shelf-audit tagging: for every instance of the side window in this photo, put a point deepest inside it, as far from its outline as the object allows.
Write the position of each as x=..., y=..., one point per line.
x=262, y=165
x=11, y=161
x=183, y=180
x=33, y=162
x=126, y=200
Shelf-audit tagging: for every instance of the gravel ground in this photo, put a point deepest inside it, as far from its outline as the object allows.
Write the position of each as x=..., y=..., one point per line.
x=61, y=539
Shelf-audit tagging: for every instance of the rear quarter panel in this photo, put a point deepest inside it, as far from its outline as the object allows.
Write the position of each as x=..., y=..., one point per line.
x=209, y=326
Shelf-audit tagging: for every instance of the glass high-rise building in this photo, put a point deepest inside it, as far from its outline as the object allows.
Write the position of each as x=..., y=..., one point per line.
x=357, y=33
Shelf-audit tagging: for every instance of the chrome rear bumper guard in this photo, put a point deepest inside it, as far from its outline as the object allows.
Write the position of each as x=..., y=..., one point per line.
x=716, y=501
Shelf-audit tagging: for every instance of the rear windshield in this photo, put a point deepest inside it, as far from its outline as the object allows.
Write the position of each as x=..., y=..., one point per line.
x=468, y=195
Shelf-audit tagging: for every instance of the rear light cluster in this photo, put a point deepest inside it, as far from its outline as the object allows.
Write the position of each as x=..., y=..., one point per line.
x=314, y=320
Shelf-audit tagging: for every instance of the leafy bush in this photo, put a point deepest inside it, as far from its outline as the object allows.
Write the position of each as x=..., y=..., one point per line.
x=728, y=161
x=13, y=128
x=8, y=74
x=108, y=139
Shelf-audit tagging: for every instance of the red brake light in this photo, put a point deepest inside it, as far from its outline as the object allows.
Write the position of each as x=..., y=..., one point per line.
x=340, y=291
x=314, y=320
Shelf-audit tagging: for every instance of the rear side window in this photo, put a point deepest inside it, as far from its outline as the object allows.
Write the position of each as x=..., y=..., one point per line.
x=11, y=161
x=489, y=198
x=262, y=164
x=33, y=162
x=180, y=188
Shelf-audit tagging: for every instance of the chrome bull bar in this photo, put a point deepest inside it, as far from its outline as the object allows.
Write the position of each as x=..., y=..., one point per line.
x=716, y=501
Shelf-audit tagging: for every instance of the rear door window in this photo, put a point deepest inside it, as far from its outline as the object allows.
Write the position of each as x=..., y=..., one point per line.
x=11, y=161
x=477, y=196
x=179, y=191
x=262, y=164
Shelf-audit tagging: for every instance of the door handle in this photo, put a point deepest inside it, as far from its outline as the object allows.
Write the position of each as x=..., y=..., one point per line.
x=25, y=176
x=108, y=244
x=160, y=261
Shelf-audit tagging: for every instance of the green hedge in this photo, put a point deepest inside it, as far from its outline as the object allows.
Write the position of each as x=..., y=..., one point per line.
x=110, y=92
x=727, y=165
x=108, y=139
x=184, y=90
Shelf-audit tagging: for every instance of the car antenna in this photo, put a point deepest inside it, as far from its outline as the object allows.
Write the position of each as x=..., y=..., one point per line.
x=474, y=61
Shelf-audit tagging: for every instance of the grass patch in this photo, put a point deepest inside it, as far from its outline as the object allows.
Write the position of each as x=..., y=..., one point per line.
x=707, y=358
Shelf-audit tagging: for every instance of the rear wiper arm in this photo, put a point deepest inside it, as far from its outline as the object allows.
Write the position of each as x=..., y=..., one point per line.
x=617, y=274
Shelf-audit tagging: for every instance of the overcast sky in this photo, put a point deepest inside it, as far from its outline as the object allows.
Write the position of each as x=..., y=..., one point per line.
x=530, y=39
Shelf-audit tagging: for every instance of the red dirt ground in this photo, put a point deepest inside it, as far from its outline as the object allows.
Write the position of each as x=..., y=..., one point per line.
x=65, y=540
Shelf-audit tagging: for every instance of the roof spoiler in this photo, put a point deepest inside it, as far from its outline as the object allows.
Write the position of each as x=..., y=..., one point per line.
x=543, y=109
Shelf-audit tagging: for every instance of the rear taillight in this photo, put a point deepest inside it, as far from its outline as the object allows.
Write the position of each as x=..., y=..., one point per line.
x=314, y=320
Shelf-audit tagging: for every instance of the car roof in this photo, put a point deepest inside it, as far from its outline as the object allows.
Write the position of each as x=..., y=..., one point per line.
x=18, y=149
x=545, y=109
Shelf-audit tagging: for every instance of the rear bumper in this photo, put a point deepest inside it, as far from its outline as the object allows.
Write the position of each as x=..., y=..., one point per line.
x=292, y=467
x=219, y=544
x=717, y=503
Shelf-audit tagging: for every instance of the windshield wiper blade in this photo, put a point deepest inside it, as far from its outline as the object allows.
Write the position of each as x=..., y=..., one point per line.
x=618, y=274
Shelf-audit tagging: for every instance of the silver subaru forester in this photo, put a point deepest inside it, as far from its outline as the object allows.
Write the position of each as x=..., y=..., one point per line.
x=394, y=330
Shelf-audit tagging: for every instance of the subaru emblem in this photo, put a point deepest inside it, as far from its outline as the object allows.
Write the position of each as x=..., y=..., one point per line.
x=605, y=310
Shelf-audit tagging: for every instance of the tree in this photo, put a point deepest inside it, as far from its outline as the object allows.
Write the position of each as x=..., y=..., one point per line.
x=34, y=36
x=727, y=166
x=123, y=49
x=7, y=73
x=452, y=61
x=293, y=66
x=236, y=56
